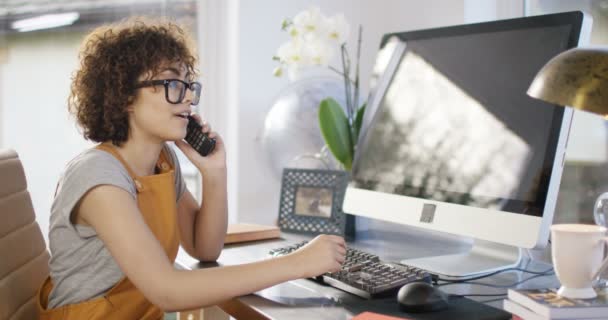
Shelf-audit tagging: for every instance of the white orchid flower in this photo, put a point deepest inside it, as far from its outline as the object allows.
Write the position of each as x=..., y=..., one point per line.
x=319, y=52
x=338, y=28
x=277, y=72
x=310, y=23
x=291, y=52
x=314, y=40
x=293, y=55
x=293, y=31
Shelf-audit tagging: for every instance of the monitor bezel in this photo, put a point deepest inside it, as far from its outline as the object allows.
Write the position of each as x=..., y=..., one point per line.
x=532, y=230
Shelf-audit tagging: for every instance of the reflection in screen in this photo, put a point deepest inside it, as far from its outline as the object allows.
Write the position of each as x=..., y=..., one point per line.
x=441, y=145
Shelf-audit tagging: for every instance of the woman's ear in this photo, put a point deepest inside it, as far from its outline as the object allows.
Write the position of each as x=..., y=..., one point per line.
x=130, y=101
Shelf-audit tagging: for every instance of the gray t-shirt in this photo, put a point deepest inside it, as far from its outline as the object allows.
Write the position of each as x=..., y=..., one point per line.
x=81, y=267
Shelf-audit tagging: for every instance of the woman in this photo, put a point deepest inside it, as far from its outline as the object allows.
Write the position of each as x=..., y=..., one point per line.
x=121, y=209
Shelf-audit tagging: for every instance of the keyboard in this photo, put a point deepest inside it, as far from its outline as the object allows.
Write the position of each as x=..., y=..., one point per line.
x=364, y=274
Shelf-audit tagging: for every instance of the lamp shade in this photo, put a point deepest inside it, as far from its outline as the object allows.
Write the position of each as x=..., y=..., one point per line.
x=577, y=78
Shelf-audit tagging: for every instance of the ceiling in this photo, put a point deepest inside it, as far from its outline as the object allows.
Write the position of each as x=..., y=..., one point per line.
x=93, y=12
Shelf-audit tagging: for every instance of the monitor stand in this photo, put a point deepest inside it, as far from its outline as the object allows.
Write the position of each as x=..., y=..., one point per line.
x=483, y=257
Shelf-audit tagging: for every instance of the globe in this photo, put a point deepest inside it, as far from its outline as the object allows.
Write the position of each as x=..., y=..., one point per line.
x=291, y=136
x=600, y=210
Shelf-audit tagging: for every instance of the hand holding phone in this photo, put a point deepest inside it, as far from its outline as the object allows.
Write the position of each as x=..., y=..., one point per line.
x=197, y=139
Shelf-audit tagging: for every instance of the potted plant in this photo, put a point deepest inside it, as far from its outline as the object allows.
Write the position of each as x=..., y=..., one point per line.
x=314, y=39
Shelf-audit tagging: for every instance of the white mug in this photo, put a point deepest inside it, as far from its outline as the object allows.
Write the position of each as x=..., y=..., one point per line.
x=578, y=251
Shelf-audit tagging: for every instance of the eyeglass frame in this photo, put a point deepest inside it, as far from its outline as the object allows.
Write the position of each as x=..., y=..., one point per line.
x=165, y=83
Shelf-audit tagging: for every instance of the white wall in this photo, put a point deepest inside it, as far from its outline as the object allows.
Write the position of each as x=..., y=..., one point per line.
x=34, y=113
x=259, y=37
x=484, y=10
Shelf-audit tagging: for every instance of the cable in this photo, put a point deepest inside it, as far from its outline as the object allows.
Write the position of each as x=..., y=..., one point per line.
x=491, y=300
x=479, y=295
x=436, y=278
x=495, y=273
x=495, y=285
x=529, y=278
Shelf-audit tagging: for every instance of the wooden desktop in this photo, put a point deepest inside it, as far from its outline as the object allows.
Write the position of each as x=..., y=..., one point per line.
x=305, y=299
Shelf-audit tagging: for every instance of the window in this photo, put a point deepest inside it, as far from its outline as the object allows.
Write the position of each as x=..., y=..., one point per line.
x=39, y=42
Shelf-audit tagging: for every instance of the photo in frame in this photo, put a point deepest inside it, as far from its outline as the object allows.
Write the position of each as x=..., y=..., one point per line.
x=311, y=202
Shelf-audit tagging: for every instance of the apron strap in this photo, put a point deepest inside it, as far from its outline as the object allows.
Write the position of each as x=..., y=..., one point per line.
x=163, y=162
x=108, y=147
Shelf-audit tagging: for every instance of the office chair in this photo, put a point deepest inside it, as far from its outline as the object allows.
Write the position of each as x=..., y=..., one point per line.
x=23, y=255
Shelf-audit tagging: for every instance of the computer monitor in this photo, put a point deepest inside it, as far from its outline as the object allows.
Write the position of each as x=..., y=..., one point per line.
x=451, y=142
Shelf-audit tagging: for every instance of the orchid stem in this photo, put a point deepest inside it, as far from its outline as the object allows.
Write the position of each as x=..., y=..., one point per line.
x=340, y=73
x=347, y=83
x=356, y=97
x=349, y=101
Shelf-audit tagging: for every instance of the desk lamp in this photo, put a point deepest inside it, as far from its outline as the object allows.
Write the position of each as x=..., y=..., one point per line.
x=577, y=78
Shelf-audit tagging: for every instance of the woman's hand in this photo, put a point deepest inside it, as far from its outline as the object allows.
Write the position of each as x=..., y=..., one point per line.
x=214, y=160
x=325, y=253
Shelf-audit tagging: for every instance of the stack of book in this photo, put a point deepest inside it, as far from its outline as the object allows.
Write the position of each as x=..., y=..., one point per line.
x=544, y=304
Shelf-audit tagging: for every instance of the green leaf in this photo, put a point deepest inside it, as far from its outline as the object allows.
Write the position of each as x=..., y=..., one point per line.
x=358, y=122
x=336, y=131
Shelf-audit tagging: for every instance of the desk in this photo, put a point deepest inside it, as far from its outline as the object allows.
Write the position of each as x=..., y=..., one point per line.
x=305, y=299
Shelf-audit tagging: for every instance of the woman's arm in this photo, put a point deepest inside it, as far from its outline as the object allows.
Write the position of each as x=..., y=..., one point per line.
x=114, y=215
x=203, y=229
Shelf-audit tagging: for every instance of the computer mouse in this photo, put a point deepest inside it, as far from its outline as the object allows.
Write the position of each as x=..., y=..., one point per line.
x=421, y=296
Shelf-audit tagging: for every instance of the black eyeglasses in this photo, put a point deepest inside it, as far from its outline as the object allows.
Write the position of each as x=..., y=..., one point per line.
x=175, y=89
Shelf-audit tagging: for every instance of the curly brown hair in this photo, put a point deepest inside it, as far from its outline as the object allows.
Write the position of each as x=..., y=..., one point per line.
x=112, y=58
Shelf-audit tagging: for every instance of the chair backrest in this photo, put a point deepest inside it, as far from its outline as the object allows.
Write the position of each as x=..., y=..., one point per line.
x=23, y=255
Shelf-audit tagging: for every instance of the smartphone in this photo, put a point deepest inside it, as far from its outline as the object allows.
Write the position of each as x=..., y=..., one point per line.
x=197, y=139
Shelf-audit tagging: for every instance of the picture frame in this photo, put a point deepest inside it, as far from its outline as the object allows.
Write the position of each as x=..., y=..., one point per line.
x=311, y=202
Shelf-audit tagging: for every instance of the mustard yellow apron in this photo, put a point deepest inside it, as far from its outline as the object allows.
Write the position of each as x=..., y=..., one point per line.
x=156, y=200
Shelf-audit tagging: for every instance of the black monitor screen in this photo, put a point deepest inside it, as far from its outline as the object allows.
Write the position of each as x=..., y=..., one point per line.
x=455, y=124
